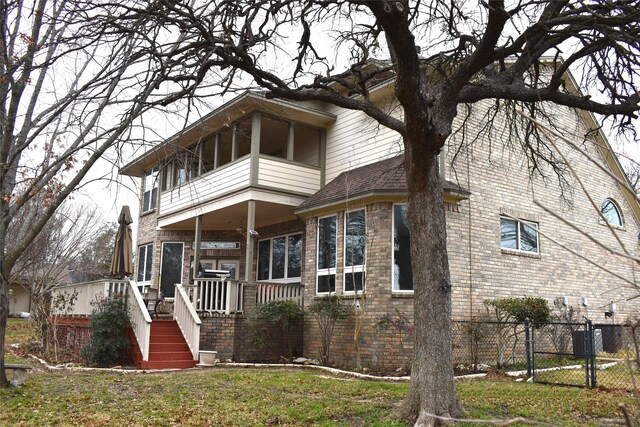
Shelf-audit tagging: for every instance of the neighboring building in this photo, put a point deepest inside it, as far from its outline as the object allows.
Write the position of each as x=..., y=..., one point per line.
x=308, y=195
x=19, y=299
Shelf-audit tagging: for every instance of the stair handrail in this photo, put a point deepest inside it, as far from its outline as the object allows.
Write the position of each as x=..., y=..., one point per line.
x=140, y=319
x=188, y=320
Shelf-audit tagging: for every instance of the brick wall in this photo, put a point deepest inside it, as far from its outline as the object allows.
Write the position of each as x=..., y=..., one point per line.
x=242, y=338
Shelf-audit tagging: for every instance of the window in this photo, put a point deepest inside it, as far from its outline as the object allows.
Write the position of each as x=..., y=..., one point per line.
x=280, y=258
x=149, y=190
x=518, y=235
x=402, y=273
x=326, y=255
x=611, y=213
x=145, y=260
x=354, y=250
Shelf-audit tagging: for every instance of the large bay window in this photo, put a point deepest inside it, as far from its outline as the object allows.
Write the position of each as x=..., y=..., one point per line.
x=402, y=273
x=280, y=258
x=354, y=250
x=326, y=271
x=149, y=190
x=145, y=261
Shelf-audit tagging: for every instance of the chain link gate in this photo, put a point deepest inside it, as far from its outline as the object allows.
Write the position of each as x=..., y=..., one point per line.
x=562, y=353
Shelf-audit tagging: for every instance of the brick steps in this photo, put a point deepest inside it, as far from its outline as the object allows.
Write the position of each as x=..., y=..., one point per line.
x=167, y=348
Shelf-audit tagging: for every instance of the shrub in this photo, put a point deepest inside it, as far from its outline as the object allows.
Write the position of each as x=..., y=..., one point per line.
x=510, y=313
x=108, y=339
x=327, y=311
x=283, y=314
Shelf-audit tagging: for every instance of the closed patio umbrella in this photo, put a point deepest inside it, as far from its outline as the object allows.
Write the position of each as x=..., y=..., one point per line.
x=121, y=263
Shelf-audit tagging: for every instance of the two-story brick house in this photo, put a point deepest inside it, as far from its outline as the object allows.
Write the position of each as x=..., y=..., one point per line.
x=308, y=199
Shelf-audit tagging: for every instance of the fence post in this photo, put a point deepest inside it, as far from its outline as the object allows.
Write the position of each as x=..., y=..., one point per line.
x=527, y=345
x=592, y=353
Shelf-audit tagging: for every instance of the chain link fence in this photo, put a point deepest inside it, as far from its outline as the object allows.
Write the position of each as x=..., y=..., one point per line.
x=580, y=354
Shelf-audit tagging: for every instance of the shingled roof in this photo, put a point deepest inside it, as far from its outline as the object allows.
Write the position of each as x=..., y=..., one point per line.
x=386, y=176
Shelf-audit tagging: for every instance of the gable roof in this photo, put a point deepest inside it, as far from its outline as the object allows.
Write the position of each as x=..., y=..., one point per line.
x=386, y=177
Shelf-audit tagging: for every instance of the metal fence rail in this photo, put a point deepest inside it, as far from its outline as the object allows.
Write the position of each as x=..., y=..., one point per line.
x=577, y=354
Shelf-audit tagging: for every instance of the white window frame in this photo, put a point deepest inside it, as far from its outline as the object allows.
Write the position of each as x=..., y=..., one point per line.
x=393, y=256
x=618, y=210
x=519, y=221
x=351, y=269
x=148, y=251
x=153, y=202
x=286, y=278
x=326, y=271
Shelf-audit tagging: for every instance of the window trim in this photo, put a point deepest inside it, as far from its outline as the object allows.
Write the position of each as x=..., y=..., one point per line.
x=154, y=173
x=326, y=271
x=617, y=209
x=352, y=269
x=148, y=251
x=393, y=256
x=517, y=250
x=285, y=279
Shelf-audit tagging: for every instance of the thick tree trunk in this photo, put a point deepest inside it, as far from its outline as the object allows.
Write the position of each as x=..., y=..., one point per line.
x=4, y=315
x=432, y=389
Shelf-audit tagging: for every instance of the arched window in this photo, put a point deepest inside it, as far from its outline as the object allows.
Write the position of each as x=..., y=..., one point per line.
x=611, y=212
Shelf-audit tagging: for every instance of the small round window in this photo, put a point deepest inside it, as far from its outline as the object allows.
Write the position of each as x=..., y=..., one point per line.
x=611, y=212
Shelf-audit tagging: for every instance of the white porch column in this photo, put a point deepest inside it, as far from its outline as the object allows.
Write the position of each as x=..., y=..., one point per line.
x=196, y=250
x=290, y=140
x=251, y=223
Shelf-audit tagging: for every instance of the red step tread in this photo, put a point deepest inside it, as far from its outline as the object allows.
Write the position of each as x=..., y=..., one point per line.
x=167, y=347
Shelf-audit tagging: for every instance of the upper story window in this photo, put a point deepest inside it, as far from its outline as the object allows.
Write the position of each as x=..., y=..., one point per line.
x=611, y=213
x=518, y=235
x=354, y=250
x=149, y=190
x=145, y=262
x=402, y=273
x=280, y=258
x=326, y=271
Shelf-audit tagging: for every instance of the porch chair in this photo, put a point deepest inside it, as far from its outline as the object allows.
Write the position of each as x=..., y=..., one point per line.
x=151, y=300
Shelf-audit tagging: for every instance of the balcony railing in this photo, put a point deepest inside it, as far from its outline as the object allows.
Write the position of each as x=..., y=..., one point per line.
x=87, y=294
x=216, y=295
x=266, y=292
x=273, y=173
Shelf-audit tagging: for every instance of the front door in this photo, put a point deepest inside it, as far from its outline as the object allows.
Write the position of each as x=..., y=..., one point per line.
x=171, y=267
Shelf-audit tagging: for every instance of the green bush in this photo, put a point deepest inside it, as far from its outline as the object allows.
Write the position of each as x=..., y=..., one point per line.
x=283, y=314
x=518, y=309
x=108, y=339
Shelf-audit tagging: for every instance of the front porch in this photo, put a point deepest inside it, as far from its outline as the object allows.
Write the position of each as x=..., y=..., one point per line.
x=210, y=315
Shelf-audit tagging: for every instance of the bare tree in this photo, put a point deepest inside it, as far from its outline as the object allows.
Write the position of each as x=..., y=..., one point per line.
x=67, y=239
x=442, y=54
x=69, y=95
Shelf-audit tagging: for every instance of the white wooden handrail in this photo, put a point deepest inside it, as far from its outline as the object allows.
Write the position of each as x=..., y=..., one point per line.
x=140, y=319
x=185, y=315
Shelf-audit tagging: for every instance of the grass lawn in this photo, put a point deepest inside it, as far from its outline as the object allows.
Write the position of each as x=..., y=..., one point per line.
x=263, y=397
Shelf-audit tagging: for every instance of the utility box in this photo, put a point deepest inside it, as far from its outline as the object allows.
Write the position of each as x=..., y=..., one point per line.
x=577, y=338
x=611, y=338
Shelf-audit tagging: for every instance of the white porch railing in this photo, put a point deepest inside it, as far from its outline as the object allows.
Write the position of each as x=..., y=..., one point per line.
x=140, y=319
x=88, y=293
x=266, y=292
x=217, y=295
x=188, y=321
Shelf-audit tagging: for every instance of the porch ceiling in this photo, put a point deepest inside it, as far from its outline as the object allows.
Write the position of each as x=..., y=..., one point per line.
x=235, y=216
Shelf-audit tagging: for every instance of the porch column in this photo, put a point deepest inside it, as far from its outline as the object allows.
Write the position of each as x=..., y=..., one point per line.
x=234, y=143
x=216, y=151
x=251, y=223
x=290, y=139
x=196, y=250
x=256, y=123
